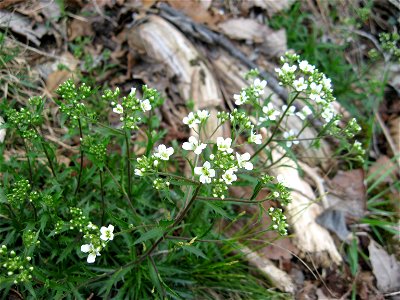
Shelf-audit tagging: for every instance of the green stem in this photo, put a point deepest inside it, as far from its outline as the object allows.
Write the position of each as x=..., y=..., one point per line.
x=81, y=159
x=177, y=221
x=128, y=162
x=276, y=128
x=48, y=158
x=102, y=196
x=29, y=161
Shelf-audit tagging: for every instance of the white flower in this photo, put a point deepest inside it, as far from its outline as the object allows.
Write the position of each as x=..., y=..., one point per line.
x=191, y=120
x=299, y=84
x=145, y=105
x=304, y=113
x=327, y=83
x=203, y=115
x=205, y=172
x=243, y=161
x=118, y=109
x=163, y=152
x=286, y=69
x=316, y=93
x=138, y=172
x=259, y=86
x=306, y=67
x=224, y=145
x=241, y=98
x=133, y=92
x=255, y=138
x=270, y=113
x=196, y=146
x=290, y=136
x=229, y=176
x=290, y=111
x=107, y=233
x=328, y=114
x=93, y=252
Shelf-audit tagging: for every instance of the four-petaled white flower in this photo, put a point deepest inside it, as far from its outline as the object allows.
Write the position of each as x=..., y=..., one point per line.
x=191, y=120
x=243, y=161
x=299, y=84
x=203, y=115
x=145, y=105
x=286, y=69
x=255, y=138
x=229, y=176
x=259, y=86
x=306, y=67
x=224, y=145
x=290, y=111
x=290, y=136
x=304, y=113
x=327, y=83
x=270, y=113
x=328, y=113
x=205, y=172
x=107, y=233
x=241, y=98
x=196, y=146
x=118, y=109
x=163, y=152
x=93, y=252
x=316, y=93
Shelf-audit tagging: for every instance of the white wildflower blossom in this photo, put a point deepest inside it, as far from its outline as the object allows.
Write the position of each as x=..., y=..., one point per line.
x=193, y=145
x=280, y=178
x=93, y=252
x=327, y=83
x=145, y=105
x=107, y=233
x=286, y=69
x=304, y=113
x=224, y=145
x=243, y=161
x=290, y=136
x=316, y=93
x=259, y=86
x=299, y=84
x=241, y=98
x=270, y=113
x=203, y=115
x=229, y=176
x=138, y=172
x=132, y=92
x=328, y=114
x=255, y=138
x=118, y=109
x=163, y=152
x=290, y=111
x=191, y=120
x=306, y=67
x=205, y=172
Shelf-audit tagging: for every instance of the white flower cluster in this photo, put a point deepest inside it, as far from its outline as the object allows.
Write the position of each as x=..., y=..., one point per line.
x=251, y=93
x=97, y=243
x=151, y=163
x=132, y=107
x=303, y=77
x=196, y=118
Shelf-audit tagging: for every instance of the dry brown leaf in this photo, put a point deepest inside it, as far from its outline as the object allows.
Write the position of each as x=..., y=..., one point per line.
x=271, y=6
x=79, y=27
x=23, y=26
x=56, y=78
x=385, y=267
x=379, y=169
x=6, y=3
x=198, y=10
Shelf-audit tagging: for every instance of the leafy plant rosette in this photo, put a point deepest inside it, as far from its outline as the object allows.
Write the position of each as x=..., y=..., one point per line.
x=134, y=226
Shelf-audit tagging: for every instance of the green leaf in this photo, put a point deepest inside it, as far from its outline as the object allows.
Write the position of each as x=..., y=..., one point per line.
x=151, y=234
x=196, y=251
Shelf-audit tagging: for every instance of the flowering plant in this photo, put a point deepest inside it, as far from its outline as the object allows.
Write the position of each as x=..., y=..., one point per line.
x=112, y=217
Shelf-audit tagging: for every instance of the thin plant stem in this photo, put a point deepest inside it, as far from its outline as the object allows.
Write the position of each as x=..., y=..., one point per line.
x=177, y=221
x=158, y=277
x=29, y=161
x=48, y=158
x=103, y=205
x=128, y=162
x=81, y=159
x=276, y=128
